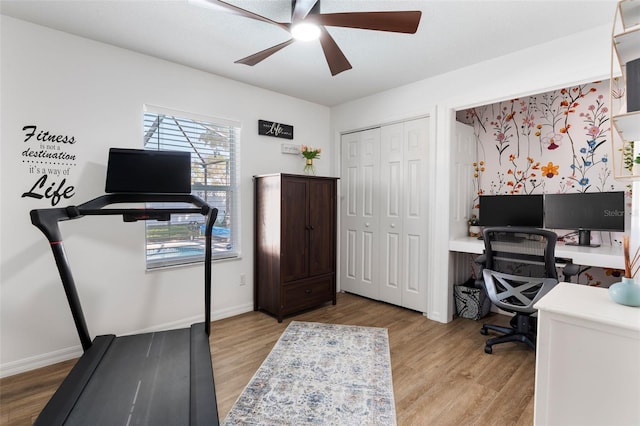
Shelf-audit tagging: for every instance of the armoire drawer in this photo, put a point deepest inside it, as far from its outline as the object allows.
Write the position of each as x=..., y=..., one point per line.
x=306, y=294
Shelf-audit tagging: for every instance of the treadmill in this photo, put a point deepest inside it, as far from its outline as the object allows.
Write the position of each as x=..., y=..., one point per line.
x=158, y=378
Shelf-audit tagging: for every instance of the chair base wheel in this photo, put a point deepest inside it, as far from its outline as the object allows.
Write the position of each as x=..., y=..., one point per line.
x=488, y=349
x=484, y=331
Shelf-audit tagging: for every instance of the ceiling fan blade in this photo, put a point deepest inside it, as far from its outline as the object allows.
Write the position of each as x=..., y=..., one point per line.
x=264, y=54
x=301, y=9
x=226, y=7
x=397, y=22
x=335, y=58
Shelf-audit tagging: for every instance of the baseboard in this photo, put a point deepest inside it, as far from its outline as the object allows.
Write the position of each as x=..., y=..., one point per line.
x=231, y=312
x=31, y=363
x=43, y=360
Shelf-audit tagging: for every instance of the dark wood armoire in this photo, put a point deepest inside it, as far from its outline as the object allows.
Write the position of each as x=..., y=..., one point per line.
x=295, y=243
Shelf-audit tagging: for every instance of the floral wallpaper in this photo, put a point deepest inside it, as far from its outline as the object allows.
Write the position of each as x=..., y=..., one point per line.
x=554, y=142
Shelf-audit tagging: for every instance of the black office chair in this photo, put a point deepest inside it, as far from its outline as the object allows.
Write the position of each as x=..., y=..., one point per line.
x=519, y=268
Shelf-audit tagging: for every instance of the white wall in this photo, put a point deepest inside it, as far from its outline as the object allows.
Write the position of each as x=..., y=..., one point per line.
x=95, y=93
x=579, y=58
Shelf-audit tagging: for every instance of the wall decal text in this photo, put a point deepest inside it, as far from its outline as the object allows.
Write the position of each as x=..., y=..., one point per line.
x=48, y=159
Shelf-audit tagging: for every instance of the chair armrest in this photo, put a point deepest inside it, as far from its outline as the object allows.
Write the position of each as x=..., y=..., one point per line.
x=481, y=261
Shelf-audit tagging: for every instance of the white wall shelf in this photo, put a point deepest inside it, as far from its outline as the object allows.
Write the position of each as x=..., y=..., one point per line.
x=625, y=128
x=628, y=125
x=630, y=12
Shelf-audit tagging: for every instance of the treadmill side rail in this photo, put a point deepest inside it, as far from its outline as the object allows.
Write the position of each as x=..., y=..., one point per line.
x=203, y=409
x=64, y=399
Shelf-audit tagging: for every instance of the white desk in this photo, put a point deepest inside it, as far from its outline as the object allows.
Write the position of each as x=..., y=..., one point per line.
x=587, y=359
x=603, y=256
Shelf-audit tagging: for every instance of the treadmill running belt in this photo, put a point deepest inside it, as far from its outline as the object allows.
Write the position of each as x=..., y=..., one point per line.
x=143, y=379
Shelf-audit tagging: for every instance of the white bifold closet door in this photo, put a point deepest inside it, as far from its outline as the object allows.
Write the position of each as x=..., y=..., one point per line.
x=358, y=213
x=384, y=213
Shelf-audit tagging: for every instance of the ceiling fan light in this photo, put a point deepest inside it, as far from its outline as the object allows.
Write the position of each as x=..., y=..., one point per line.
x=305, y=31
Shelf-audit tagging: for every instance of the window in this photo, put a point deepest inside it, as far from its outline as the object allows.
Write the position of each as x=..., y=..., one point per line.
x=213, y=144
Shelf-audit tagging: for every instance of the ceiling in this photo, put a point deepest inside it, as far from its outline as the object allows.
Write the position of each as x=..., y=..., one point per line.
x=452, y=34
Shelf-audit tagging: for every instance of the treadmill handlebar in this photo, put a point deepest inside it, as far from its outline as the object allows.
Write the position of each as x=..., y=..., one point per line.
x=105, y=200
x=47, y=219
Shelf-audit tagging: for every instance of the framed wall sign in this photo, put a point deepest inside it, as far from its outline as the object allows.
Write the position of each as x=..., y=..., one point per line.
x=277, y=130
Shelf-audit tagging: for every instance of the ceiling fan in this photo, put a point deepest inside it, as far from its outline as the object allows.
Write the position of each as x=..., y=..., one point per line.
x=306, y=13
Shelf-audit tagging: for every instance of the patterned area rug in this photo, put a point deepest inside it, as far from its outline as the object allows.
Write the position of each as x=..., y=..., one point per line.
x=321, y=374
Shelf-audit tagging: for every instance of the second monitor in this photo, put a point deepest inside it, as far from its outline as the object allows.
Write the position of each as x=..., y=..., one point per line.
x=585, y=212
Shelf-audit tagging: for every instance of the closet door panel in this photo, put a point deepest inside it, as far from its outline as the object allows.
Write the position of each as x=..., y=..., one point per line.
x=415, y=215
x=349, y=230
x=391, y=275
x=369, y=235
x=366, y=262
x=391, y=212
x=359, y=221
x=413, y=263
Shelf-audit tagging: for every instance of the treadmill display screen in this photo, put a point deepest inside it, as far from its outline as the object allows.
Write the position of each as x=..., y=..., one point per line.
x=145, y=171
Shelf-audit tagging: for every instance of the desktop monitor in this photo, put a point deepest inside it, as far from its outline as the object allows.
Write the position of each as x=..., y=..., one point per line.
x=147, y=171
x=585, y=212
x=512, y=210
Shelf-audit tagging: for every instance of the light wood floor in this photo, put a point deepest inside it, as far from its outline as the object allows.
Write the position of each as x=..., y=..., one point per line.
x=441, y=375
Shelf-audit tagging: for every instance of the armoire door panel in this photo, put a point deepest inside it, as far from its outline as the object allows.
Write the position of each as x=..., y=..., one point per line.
x=295, y=237
x=321, y=227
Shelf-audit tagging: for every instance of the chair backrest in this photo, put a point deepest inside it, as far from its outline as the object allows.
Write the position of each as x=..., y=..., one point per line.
x=519, y=266
x=516, y=293
x=528, y=252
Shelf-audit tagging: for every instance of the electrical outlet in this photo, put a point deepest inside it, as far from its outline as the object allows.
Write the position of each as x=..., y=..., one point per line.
x=243, y=279
x=288, y=148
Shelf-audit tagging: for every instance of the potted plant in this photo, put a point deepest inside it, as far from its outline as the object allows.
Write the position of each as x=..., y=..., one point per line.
x=309, y=153
x=474, y=226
